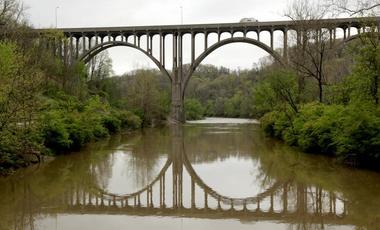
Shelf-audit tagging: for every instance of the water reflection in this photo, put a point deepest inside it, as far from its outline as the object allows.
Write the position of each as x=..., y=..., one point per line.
x=199, y=173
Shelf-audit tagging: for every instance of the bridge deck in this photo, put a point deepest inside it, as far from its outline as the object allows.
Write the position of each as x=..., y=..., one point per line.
x=246, y=216
x=210, y=28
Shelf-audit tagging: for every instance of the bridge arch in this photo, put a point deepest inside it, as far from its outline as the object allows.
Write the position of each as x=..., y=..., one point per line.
x=224, y=42
x=88, y=55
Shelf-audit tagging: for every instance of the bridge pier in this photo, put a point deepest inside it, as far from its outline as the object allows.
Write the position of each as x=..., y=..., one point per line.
x=177, y=110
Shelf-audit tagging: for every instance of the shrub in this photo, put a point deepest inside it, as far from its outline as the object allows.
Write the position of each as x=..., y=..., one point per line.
x=111, y=123
x=128, y=119
x=55, y=131
x=193, y=109
x=359, y=134
x=268, y=121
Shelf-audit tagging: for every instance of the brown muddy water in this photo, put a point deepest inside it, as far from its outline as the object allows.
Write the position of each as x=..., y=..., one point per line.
x=206, y=175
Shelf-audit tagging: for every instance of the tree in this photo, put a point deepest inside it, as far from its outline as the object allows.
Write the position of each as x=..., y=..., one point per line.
x=365, y=79
x=354, y=7
x=20, y=102
x=277, y=91
x=193, y=109
x=143, y=95
x=313, y=49
x=100, y=66
x=11, y=12
x=12, y=22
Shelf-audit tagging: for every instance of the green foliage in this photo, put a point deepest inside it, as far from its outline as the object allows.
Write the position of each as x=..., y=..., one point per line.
x=193, y=109
x=128, y=119
x=364, y=81
x=278, y=90
x=268, y=123
x=358, y=136
x=69, y=124
x=20, y=92
x=349, y=132
x=144, y=92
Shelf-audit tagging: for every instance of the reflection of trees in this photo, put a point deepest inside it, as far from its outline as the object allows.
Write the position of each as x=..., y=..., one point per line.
x=146, y=152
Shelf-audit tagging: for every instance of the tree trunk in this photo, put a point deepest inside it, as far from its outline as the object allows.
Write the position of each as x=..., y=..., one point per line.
x=320, y=85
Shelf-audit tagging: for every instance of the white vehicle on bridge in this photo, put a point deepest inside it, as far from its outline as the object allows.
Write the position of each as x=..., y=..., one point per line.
x=245, y=20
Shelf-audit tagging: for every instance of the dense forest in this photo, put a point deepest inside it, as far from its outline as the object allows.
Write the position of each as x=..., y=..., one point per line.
x=324, y=100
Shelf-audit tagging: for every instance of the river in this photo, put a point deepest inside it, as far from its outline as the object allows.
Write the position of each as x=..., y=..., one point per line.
x=203, y=175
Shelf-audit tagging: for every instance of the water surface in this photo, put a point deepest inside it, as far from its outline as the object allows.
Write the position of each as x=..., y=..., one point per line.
x=198, y=176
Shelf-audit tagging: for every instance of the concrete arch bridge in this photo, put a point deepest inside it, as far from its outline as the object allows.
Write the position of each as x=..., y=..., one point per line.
x=84, y=43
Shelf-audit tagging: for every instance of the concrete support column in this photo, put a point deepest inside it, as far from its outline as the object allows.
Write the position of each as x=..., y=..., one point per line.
x=271, y=39
x=71, y=48
x=316, y=36
x=163, y=50
x=206, y=40
x=151, y=44
x=334, y=35
x=286, y=44
x=285, y=199
x=192, y=47
x=177, y=106
x=206, y=199
x=161, y=43
x=77, y=48
x=89, y=42
x=345, y=33
x=84, y=43
x=180, y=57
x=298, y=37
x=258, y=35
x=192, y=194
x=147, y=43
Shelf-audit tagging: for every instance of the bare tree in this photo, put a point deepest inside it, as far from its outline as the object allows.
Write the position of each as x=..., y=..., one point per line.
x=355, y=7
x=100, y=67
x=11, y=12
x=312, y=50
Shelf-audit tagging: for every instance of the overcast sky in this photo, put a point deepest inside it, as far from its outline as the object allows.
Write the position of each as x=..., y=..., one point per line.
x=98, y=13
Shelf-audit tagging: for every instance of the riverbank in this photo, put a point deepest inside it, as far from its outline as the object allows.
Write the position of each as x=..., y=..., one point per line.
x=349, y=133
x=62, y=128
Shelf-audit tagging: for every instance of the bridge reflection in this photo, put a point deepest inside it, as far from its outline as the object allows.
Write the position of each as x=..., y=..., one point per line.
x=282, y=200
